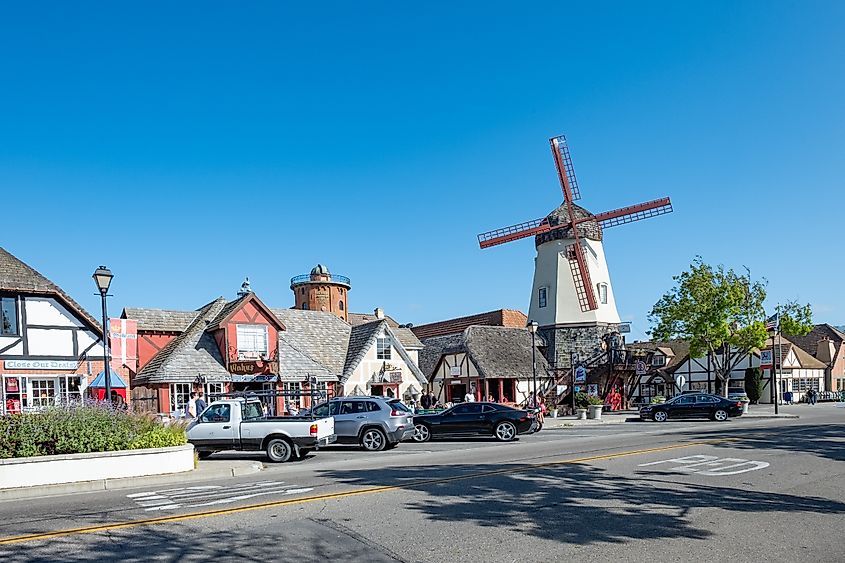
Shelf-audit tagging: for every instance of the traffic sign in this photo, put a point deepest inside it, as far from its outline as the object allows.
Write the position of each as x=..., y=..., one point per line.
x=680, y=381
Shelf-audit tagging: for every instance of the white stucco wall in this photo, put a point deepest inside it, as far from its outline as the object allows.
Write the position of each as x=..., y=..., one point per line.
x=371, y=365
x=552, y=270
x=47, y=311
x=73, y=468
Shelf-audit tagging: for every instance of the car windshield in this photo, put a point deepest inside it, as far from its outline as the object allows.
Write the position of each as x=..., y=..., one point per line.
x=399, y=405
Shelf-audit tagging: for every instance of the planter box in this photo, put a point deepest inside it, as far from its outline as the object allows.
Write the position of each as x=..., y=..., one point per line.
x=582, y=414
x=73, y=468
x=595, y=412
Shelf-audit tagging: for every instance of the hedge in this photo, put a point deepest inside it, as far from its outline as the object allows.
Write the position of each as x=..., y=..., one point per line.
x=83, y=429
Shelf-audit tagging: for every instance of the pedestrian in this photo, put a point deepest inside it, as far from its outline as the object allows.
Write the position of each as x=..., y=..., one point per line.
x=814, y=397
x=191, y=407
x=490, y=398
x=425, y=401
x=201, y=404
x=469, y=397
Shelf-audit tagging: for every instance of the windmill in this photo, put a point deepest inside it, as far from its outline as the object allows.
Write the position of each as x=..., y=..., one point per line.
x=571, y=280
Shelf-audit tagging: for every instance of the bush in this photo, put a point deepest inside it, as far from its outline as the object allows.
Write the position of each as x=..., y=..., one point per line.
x=753, y=384
x=583, y=400
x=658, y=399
x=83, y=429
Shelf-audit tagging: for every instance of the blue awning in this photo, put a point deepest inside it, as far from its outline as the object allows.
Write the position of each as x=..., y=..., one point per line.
x=114, y=379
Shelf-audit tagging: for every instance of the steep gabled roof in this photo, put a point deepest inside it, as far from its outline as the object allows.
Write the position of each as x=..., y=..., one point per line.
x=232, y=307
x=192, y=353
x=503, y=352
x=363, y=337
x=679, y=349
x=810, y=342
x=434, y=349
x=804, y=358
x=406, y=335
x=501, y=317
x=18, y=277
x=159, y=320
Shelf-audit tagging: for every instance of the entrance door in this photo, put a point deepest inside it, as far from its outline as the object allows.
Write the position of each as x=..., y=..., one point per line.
x=457, y=392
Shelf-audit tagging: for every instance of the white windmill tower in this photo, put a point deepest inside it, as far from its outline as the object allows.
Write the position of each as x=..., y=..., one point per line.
x=572, y=297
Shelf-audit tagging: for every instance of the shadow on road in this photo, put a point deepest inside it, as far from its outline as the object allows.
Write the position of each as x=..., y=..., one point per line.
x=826, y=441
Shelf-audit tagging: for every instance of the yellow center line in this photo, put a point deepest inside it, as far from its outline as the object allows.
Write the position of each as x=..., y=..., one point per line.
x=342, y=494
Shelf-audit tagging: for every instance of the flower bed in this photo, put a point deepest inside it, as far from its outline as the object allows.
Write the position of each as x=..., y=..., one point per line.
x=83, y=429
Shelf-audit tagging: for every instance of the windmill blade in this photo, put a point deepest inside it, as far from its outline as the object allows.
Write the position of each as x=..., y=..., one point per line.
x=581, y=276
x=634, y=212
x=565, y=169
x=514, y=232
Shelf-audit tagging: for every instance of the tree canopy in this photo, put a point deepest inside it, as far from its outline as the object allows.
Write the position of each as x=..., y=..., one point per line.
x=720, y=312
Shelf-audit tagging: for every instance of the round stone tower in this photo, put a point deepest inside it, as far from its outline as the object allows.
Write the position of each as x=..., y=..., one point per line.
x=322, y=291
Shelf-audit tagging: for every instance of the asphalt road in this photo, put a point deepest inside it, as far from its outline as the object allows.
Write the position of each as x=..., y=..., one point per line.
x=742, y=490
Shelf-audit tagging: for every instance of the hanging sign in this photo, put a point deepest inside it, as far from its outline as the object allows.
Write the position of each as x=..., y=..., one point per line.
x=395, y=376
x=580, y=374
x=455, y=371
x=641, y=367
x=766, y=359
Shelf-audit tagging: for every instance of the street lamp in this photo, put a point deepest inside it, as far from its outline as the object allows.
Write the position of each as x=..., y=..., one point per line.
x=102, y=277
x=532, y=326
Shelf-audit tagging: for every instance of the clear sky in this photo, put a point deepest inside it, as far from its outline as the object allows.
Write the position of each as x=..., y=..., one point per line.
x=189, y=144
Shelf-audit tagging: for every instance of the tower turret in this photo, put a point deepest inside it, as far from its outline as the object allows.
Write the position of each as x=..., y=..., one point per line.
x=322, y=291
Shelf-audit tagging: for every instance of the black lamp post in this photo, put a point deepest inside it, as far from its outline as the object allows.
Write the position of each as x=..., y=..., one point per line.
x=102, y=277
x=532, y=326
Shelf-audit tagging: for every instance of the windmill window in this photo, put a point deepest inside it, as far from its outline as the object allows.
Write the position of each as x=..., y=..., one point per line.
x=542, y=300
x=383, y=348
x=304, y=305
x=602, y=288
x=340, y=304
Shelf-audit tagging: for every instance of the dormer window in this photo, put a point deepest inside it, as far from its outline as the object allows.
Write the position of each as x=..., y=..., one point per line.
x=658, y=360
x=252, y=341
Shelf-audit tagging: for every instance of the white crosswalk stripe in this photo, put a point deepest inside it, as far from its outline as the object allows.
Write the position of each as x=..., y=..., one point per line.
x=210, y=495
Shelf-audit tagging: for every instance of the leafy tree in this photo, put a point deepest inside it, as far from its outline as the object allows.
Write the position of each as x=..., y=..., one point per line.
x=721, y=314
x=753, y=384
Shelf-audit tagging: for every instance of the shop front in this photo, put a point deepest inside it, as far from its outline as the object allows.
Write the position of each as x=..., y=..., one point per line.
x=32, y=392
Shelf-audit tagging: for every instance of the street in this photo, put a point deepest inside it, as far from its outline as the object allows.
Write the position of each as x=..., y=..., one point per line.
x=747, y=490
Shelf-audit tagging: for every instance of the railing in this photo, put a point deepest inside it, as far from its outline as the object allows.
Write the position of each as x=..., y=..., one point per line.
x=332, y=278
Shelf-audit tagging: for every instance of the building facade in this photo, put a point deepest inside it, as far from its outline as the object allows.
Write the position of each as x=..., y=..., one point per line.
x=50, y=347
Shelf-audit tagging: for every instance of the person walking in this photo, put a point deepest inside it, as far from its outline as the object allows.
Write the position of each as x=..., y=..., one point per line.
x=201, y=404
x=425, y=401
x=191, y=407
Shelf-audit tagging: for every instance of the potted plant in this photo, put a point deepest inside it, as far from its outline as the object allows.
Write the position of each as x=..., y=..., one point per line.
x=595, y=405
x=581, y=403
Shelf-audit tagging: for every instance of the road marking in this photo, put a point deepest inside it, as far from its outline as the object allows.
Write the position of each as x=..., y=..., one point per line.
x=209, y=495
x=710, y=465
x=338, y=495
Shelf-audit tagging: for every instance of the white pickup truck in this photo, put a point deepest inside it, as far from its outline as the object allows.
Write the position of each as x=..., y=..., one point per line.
x=240, y=424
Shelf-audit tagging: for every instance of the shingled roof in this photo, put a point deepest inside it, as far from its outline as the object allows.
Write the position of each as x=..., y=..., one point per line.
x=804, y=358
x=194, y=352
x=434, y=349
x=159, y=320
x=18, y=277
x=318, y=335
x=500, y=317
x=362, y=338
x=405, y=335
x=810, y=342
x=679, y=349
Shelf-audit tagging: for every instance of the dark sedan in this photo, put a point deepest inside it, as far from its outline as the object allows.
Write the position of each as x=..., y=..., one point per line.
x=473, y=419
x=696, y=405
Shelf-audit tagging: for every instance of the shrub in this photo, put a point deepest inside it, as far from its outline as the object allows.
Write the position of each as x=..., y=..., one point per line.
x=83, y=429
x=583, y=400
x=753, y=384
x=657, y=399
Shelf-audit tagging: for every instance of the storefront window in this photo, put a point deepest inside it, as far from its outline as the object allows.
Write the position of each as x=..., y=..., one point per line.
x=8, y=316
x=213, y=389
x=43, y=392
x=252, y=340
x=180, y=394
x=69, y=390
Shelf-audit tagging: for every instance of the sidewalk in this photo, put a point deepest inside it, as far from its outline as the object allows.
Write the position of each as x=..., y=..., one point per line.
x=207, y=470
x=768, y=411
x=611, y=417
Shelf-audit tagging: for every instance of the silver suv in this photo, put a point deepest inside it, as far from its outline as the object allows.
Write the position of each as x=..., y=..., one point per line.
x=374, y=423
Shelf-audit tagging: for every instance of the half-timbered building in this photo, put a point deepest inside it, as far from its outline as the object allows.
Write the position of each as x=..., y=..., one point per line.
x=50, y=347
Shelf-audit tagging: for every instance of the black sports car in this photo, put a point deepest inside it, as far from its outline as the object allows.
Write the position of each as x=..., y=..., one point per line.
x=474, y=419
x=697, y=405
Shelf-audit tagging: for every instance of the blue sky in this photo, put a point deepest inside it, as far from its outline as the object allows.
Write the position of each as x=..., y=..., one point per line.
x=187, y=145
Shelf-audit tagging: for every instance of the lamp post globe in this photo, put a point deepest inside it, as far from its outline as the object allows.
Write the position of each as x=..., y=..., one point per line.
x=102, y=278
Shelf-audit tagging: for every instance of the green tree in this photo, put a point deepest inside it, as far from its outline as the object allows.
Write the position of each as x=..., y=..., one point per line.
x=721, y=314
x=753, y=384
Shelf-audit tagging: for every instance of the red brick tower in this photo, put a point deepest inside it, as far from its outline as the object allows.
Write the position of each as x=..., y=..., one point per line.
x=321, y=291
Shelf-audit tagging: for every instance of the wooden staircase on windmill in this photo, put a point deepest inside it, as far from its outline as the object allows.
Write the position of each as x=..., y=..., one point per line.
x=564, y=376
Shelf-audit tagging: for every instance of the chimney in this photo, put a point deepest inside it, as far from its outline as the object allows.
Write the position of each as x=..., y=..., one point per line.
x=825, y=350
x=379, y=312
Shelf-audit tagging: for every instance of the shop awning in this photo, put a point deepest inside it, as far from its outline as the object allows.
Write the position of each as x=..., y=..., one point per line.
x=114, y=379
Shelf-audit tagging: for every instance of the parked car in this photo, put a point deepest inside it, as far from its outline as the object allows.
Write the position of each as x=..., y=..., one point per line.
x=374, y=423
x=737, y=394
x=474, y=419
x=239, y=424
x=700, y=405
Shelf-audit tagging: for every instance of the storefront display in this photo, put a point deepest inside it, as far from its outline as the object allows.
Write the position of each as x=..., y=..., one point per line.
x=33, y=392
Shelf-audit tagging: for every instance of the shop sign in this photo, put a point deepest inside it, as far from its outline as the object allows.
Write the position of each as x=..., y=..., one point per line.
x=41, y=364
x=455, y=371
x=766, y=358
x=580, y=374
x=395, y=376
x=250, y=368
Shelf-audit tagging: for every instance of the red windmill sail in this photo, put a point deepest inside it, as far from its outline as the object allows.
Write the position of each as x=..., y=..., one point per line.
x=575, y=252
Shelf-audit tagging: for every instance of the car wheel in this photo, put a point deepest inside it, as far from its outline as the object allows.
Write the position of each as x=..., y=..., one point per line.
x=422, y=433
x=659, y=416
x=204, y=454
x=505, y=431
x=373, y=440
x=279, y=450
x=720, y=415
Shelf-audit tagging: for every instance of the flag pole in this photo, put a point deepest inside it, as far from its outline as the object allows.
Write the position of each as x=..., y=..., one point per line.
x=777, y=361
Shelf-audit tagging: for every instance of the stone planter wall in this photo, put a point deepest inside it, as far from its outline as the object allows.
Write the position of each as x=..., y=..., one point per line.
x=73, y=468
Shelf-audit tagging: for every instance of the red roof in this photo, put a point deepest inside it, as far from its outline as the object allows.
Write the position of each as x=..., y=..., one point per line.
x=500, y=317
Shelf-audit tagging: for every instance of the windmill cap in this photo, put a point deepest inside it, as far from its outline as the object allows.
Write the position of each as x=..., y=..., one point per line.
x=560, y=216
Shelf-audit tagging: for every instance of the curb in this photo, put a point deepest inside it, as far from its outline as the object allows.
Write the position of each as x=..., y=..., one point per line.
x=61, y=489
x=764, y=416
